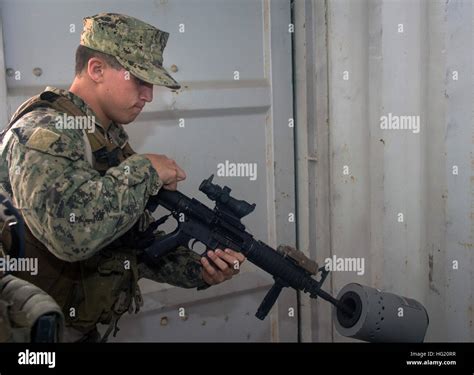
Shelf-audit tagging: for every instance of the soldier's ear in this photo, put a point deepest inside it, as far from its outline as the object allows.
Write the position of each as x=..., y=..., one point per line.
x=95, y=69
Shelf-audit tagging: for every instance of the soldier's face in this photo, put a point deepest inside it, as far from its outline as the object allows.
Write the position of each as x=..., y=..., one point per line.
x=124, y=95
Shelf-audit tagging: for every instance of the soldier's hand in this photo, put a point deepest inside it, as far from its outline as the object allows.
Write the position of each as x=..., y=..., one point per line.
x=220, y=265
x=168, y=171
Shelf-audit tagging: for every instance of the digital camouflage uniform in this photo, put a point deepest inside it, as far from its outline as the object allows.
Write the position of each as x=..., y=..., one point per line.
x=82, y=195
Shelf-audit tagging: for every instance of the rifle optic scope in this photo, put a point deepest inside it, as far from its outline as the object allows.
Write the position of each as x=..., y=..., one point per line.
x=224, y=201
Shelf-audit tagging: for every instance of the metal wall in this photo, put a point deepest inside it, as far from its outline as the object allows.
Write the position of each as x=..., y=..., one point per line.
x=353, y=64
x=242, y=121
x=357, y=61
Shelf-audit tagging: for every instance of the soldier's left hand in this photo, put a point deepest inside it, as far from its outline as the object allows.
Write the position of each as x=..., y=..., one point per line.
x=220, y=265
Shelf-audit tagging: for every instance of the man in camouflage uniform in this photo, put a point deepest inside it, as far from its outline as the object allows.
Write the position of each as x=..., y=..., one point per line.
x=83, y=193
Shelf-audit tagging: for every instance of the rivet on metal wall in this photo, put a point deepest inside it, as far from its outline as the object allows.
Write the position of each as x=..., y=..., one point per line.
x=37, y=72
x=184, y=317
x=174, y=68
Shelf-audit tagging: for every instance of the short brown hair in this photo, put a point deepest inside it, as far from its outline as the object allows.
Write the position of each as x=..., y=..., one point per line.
x=84, y=54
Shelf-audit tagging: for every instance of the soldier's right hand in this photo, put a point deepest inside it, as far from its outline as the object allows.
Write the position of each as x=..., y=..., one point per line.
x=168, y=171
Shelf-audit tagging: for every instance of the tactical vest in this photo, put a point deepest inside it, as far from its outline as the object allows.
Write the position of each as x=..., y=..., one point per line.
x=99, y=289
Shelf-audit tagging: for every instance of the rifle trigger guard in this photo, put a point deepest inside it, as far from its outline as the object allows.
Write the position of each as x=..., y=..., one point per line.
x=193, y=243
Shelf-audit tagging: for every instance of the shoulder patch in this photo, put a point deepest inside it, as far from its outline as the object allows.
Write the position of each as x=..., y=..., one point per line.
x=42, y=139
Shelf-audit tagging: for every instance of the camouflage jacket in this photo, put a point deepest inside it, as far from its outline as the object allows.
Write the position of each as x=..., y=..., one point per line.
x=68, y=205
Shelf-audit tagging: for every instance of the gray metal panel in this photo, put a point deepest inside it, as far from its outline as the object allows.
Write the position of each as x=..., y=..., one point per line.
x=224, y=313
x=225, y=119
x=459, y=148
x=279, y=148
x=312, y=139
x=208, y=24
x=391, y=171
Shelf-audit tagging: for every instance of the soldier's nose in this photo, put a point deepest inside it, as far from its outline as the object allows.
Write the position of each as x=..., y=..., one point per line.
x=146, y=93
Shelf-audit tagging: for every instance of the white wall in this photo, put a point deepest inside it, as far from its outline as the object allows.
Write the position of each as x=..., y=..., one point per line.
x=390, y=171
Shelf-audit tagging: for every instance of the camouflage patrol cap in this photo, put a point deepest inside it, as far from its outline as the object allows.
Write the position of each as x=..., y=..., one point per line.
x=136, y=45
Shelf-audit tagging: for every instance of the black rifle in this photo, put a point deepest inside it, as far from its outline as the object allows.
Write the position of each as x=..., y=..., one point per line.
x=221, y=228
